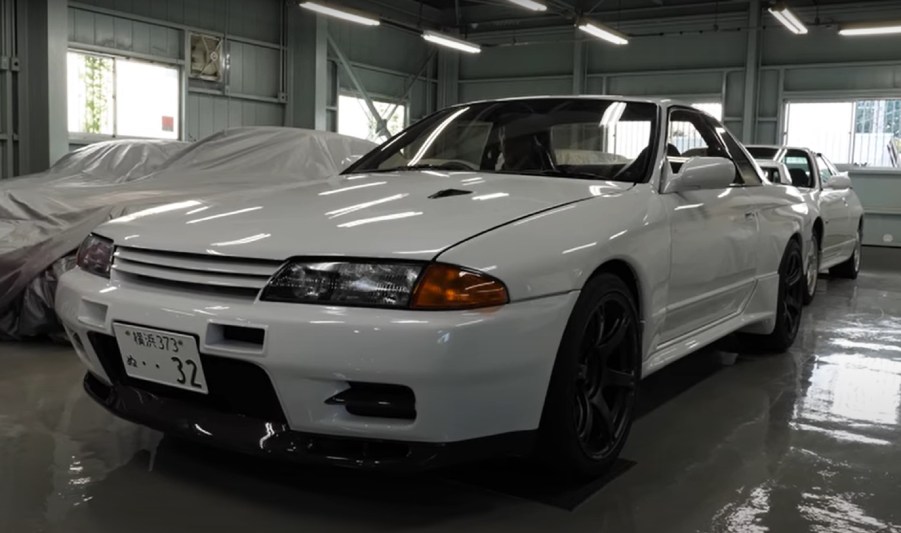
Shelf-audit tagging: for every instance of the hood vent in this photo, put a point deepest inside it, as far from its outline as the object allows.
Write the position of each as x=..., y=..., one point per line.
x=449, y=192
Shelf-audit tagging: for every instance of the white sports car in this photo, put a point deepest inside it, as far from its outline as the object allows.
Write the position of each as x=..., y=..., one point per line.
x=494, y=279
x=838, y=229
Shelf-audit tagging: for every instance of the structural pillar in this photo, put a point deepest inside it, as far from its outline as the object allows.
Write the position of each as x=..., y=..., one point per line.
x=580, y=67
x=448, y=92
x=42, y=42
x=308, y=71
x=752, y=74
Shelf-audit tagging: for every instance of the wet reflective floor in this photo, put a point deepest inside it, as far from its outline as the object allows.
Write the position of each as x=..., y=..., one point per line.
x=805, y=441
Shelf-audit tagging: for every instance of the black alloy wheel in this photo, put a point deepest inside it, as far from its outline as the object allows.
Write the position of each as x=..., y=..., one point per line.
x=791, y=290
x=789, y=304
x=850, y=268
x=813, y=268
x=591, y=398
x=606, y=377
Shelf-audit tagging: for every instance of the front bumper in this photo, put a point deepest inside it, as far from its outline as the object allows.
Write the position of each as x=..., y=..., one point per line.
x=474, y=374
x=276, y=440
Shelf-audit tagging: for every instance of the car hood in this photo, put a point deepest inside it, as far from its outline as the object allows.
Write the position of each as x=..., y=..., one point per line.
x=410, y=215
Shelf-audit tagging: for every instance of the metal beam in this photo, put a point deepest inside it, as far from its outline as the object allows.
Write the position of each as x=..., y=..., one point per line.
x=410, y=83
x=381, y=124
x=752, y=74
x=580, y=66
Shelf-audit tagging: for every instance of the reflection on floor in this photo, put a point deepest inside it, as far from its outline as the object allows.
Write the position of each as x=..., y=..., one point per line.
x=805, y=441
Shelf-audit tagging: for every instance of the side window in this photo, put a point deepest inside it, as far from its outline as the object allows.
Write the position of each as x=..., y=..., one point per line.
x=750, y=174
x=689, y=135
x=800, y=168
x=825, y=168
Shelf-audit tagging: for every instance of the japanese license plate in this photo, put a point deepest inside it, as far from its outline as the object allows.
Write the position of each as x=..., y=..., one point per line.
x=161, y=357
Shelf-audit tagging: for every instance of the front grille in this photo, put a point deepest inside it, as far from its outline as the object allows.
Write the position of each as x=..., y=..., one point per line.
x=235, y=386
x=196, y=270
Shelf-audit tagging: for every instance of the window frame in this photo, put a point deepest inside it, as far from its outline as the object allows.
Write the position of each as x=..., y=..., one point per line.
x=85, y=138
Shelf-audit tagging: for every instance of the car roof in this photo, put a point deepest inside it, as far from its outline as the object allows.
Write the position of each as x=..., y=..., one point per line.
x=778, y=147
x=664, y=102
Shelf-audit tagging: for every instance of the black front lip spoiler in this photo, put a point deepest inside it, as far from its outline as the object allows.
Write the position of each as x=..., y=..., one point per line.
x=275, y=439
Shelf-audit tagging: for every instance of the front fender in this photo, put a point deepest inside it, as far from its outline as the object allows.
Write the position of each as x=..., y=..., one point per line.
x=557, y=251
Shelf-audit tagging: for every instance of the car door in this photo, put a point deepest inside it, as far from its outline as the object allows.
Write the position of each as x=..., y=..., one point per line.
x=713, y=235
x=847, y=229
x=834, y=211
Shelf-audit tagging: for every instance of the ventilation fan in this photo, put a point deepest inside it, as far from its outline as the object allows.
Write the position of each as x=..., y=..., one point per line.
x=207, y=61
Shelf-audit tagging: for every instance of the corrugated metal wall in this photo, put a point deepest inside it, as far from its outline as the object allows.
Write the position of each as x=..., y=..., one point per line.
x=253, y=93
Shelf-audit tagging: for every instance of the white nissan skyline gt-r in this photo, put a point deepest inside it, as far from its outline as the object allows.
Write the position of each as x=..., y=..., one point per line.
x=494, y=279
x=838, y=228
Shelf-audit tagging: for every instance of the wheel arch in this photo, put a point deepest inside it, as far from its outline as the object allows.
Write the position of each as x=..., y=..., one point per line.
x=819, y=229
x=624, y=270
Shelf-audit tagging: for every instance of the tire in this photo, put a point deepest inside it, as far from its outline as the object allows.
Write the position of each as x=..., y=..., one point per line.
x=850, y=268
x=812, y=272
x=590, y=401
x=789, y=303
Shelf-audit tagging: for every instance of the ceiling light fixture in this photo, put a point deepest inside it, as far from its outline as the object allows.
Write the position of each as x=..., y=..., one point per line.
x=888, y=28
x=603, y=32
x=450, y=42
x=529, y=4
x=341, y=13
x=787, y=18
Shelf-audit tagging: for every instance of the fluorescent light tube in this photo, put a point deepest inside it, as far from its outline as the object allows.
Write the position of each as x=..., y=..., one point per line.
x=788, y=19
x=342, y=13
x=529, y=4
x=603, y=32
x=450, y=42
x=870, y=29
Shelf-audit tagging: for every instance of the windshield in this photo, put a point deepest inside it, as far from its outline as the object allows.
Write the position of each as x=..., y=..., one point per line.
x=557, y=137
x=762, y=152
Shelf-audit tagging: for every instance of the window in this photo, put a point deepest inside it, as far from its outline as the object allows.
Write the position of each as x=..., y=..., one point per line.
x=775, y=176
x=691, y=136
x=115, y=96
x=800, y=168
x=354, y=118
x=859, y=132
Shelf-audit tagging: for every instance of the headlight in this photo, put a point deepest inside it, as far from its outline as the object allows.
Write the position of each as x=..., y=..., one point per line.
x=95, y=255
x=344, y=283
x=401, y=285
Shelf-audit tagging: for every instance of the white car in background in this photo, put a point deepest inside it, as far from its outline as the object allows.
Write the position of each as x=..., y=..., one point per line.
x=778, y=175
x=494, y=279
x=839, y=231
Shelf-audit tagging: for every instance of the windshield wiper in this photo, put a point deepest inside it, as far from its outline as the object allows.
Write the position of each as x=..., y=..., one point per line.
x=556, y=174
x=450, y=166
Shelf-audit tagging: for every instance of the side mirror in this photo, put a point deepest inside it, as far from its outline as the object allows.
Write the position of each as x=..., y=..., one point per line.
x=839, y=181
x=700, y=173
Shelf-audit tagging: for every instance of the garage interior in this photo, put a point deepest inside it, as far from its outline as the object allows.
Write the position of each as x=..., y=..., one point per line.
x=809, y=440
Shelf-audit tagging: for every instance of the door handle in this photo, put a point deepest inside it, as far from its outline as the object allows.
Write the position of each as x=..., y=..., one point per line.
x=750, y=215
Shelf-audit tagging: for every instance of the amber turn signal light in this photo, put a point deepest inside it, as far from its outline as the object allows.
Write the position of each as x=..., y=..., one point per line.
x=449, y=287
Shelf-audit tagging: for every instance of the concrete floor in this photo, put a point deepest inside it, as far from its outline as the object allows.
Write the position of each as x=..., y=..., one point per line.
x=806, y=441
